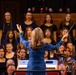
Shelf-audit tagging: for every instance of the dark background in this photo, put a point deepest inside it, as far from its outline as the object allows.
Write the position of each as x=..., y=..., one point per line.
x=19, y=7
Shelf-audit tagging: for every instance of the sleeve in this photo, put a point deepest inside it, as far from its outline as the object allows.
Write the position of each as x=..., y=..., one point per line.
x=53, y=47
x=24, y=42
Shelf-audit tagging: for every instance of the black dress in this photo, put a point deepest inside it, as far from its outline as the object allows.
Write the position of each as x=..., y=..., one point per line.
x=63, y=25
x=2, y=67
x=5, y=28
x=52, y=28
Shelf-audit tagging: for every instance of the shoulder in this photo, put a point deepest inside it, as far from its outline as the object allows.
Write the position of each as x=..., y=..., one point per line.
x=13, y=23
x=33, y=22
x=23, y=23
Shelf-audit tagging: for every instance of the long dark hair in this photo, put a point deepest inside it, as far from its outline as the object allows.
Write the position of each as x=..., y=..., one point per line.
x=51, y=21
x=26, y=14
x=7, y=36
x=49, y=31
x=5, y=21
x=64, y=21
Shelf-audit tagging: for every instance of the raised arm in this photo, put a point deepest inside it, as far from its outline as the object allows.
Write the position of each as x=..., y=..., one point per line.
x=54, y=47
x=24, y=42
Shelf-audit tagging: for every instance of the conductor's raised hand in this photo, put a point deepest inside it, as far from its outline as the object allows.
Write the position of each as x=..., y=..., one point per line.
x=66, y=35
x=19, y=28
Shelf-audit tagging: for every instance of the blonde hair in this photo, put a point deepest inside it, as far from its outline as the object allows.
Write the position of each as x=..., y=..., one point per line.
x=37, y=38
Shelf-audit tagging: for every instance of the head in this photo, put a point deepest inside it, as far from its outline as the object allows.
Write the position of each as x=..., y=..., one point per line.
x=64, y=31
x=2, y=51
x=9, y=47
x=62, y=68
x=22, y=53
x=7, y=16
x=61, y=48
x=10, y=69
x=68, y=52
x=70, y=46
x=37, y=37
x=7, y=19
x=48, y=18
x=28, y=16
x=29, y=31
x=10, y=62
x=47, y=33
x=10, y=35
x=68, y=17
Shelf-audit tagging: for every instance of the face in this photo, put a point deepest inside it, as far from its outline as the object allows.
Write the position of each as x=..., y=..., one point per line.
x=47, y=33
x=7, y=16
x=68, y=17
x=29, y=31
x=64, y=32
x=9, y=48
x=62, y=68
x=70, y=45
x=61, y=49
x=10, y=69
x=10, y=34
x=1, y=53
x=28, y=16
x=48, y=18
x=22, y=53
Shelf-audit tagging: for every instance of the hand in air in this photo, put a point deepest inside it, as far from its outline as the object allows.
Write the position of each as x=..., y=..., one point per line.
x=64, y=36
x=19, y=28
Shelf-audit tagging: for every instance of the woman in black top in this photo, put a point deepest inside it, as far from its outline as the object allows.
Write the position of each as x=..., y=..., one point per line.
x=2, y=59
x=48, y=24
x=10, y=37
x=6, y=25
x=67, y=23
